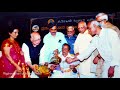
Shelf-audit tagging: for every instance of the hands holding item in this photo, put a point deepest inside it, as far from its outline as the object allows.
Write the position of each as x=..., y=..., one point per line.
x=19, y=69
x=35, y=69
x=111, y=71
x=69, y=60
x=41, y=70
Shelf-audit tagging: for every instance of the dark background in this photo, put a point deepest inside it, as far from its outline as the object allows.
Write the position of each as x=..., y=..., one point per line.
x=22, y=19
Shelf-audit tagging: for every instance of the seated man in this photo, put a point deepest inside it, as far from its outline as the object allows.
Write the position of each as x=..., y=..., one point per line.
x=66, y=70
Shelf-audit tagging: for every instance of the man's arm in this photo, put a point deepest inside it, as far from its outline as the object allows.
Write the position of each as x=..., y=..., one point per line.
x=25, y=50
x=86, y=53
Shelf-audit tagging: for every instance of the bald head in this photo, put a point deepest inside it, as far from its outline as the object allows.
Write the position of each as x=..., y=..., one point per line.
x=35, y=38
x=82, y=26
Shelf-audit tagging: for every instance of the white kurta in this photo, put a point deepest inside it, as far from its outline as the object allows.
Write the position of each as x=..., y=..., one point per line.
x=50, y=44
x=108, y=45
x=65, y=66
x=81, y=43
x=25, y=49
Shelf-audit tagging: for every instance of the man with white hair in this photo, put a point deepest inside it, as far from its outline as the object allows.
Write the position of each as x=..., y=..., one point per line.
x=31, y=51
x=81, y=43
x=105, y=42
x=71, y=37
x=103, y=19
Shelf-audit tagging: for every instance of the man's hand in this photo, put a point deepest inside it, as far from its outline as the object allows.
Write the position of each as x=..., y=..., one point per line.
x=76, y=54
x=72, y=66
x=111, y=71
x=53, y=67
x=96, y=59
x=46, y=64
x=69, y=60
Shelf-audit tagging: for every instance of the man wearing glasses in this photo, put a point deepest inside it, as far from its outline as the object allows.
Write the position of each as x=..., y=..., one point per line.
x=71, y=37
x=102, y=18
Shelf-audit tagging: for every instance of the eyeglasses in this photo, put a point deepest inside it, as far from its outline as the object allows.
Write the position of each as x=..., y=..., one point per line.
x=70, y=31
x=100, y=21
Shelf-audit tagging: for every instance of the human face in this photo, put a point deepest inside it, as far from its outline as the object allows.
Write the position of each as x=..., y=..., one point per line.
x=92, y=30
x=102, y=22
x=53, y=30
x=14, y=34
x=36, y=40
x=81, y=27
x=65, y=50
x=70, y=31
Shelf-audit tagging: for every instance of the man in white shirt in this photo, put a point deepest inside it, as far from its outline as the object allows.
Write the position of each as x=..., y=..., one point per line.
x=66, y=70
x=31, y=51
x=107, y=43
x=102, y=18
x=81, y=43
x=52, y=41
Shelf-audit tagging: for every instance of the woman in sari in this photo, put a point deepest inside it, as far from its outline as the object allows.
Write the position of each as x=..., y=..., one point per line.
x=12, y=62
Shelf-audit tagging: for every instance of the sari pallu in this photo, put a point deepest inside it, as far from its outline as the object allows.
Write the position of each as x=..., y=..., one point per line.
x=8, y=70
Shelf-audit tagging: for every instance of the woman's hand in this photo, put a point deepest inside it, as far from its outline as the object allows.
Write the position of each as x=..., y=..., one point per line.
x=19, y=69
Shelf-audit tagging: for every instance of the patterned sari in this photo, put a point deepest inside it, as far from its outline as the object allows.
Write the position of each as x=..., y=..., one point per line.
x=8, y=70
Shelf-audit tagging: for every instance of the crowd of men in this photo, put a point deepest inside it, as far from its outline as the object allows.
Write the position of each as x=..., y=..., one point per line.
x=93, y=53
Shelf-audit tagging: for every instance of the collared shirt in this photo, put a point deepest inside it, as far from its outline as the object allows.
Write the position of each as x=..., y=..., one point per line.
x=108, y=45
x=71, y=41
x=50, y=44
x=82, y=42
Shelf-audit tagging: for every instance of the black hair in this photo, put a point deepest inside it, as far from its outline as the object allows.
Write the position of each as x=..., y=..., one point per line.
x=65, y=44
x=50, y=25
x=11, y=28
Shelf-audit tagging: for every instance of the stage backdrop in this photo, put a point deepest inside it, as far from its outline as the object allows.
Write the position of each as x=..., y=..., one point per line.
x=62, y=23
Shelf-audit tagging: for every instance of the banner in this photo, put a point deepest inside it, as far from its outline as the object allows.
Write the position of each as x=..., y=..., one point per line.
x=62, y=22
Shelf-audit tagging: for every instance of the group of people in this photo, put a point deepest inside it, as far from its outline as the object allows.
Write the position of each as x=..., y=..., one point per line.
x=93, y=53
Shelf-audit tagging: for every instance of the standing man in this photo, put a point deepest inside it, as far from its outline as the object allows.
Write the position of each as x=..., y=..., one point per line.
x=102, y=18
x=81, y=43
x=52, y=41
x=71, y=37
x=105, y=42
x=31, y=51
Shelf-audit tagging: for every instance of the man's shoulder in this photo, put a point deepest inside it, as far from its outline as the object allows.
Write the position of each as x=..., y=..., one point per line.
x=60, y=34
x=47, y=36
x=94, y=39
